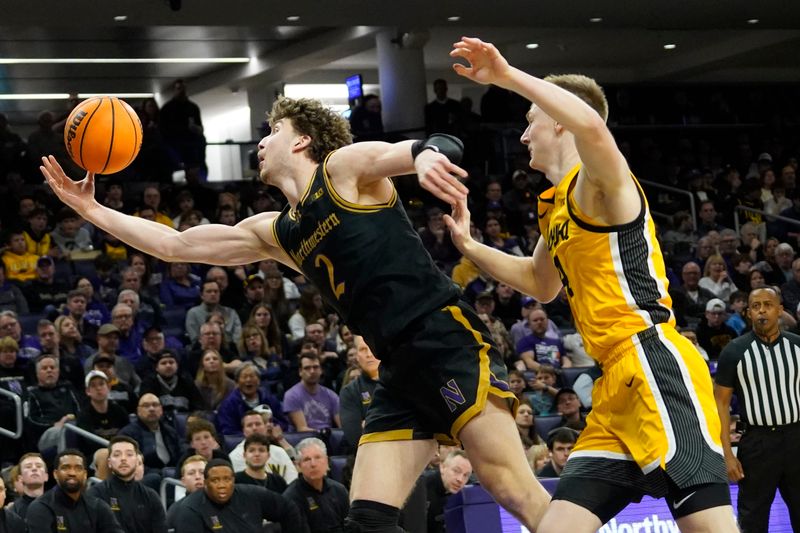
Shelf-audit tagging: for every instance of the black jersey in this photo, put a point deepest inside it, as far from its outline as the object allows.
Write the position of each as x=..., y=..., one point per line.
x=367, y=261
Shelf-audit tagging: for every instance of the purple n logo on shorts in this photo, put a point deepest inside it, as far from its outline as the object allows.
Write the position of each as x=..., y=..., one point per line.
x=452, y=395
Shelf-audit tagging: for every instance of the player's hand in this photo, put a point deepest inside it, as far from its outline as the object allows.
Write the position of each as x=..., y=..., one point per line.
x=486, y=64
x=458, y=224
x=735, y=472
x=79, y=195
x=435, y=173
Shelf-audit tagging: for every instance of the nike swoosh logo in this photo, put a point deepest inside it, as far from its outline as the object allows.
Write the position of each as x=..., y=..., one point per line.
x=628, y=384
x=677, y=504
x=542, y=215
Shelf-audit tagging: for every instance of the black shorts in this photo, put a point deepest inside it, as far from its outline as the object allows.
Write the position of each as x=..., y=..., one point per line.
x=605, y=499
x=436, y=378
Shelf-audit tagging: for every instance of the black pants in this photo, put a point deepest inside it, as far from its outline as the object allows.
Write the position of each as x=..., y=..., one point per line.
x=769, y=457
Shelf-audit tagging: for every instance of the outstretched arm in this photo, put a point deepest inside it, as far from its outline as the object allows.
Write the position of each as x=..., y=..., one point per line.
x=536, y=276
x=365, y=165
x=606, y=167
x=249, y=241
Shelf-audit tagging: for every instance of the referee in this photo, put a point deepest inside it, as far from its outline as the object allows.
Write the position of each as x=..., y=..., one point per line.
x=763, y=368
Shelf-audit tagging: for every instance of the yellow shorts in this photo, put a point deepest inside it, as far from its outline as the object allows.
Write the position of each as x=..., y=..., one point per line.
x=653, y=412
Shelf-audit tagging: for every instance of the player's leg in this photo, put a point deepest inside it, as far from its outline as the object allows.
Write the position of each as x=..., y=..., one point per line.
x=384, y=474
x=495, y=450
x=714, y=520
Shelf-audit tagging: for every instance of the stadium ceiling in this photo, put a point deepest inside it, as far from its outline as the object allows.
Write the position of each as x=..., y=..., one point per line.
x=318, y=41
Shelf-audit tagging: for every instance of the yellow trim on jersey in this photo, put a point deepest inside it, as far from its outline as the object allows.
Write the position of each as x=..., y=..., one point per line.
x=350, y=206
x=387, y=436
x=280, y=244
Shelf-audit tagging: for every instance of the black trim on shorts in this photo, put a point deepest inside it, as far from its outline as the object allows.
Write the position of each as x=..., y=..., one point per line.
x=698, y=498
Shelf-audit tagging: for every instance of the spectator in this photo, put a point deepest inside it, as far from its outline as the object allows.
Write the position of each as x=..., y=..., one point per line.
x=526, y=425
x=76, y=309
x=137, y=508
x=102, y=417
x=130, y=337
x=211, y=338
x=451, y=476
x=157, y=440
x=443, y=114
x=495, y=238
x=790, y=291
x=11, y=297
x=182, y=128
x=240, y=508
x=69, y=236
x=151, y=197
x=568, y=405
x=19, y=264
x=256, y=455
x=738, y=304
x=119, y=392
x=357, y=395
x=153, y=343
x=544, y=390
x=245, y=397
x=560, y=443
x=12, y=379
x=70, y=339
x=201, y=438
x=196, y=316
x=436, y=240
x=49, y=404
x=175, y=390
x=322, y=501
x=689, y=300
x=537, y=348
x=97, y=312
x=191, y=471
x=309, y=311
x=707, y=214
x=517, y=385
x=181, y=288
x=366, y=122
x=712, y=333
x=28, y=346
x=45, y=292
x=107, y=345
x=784, y=257
x=263, y=317
x=147, y=308
x=716, y=279
x=65, y=507
x=69, y=368
x=211, y=381
x=33, y=473
x=309, y=405
x=280, y=451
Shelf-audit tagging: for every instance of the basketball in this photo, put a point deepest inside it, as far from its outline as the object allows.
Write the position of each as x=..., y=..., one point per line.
x=103, y=135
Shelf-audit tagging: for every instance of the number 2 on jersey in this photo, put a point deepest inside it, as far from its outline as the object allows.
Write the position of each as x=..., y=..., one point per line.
x=338, y=290
x=562, y=275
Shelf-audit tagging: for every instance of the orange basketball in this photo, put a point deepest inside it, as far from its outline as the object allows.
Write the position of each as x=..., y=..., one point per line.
x=103, y=134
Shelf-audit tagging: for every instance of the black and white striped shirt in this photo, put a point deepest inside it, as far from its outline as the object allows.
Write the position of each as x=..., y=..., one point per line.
x=765, y=377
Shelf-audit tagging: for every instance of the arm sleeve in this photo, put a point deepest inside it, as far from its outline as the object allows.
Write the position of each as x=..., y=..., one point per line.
x=350, y=412
x=726, y=367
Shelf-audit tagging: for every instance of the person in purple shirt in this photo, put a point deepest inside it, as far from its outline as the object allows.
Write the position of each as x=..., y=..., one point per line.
x=308, y=404
x=247, y=395
x=537, y=349
x=181, y=288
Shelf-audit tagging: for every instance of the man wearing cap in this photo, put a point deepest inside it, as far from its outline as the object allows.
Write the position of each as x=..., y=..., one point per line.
x=176, y=390
x=45, y=292
x=119, y=392
x=196, y=316
x=49, y=403
x=567, y=403
x=712, y=333
x=253, y=294
x=102, y=417
x=223, y=505
x=107, y=345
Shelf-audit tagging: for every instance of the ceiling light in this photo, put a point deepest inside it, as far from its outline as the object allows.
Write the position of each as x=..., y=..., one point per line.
x=293, y=18
x=65, y=96
x=532, y=46
x=454, y=18
x=596, y=19
x=120, y=18
x=753, y=21
x=670, y=46
x=89, y=60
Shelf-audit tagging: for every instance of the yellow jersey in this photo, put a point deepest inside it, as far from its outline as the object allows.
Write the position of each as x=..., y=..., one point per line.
x=614, y=276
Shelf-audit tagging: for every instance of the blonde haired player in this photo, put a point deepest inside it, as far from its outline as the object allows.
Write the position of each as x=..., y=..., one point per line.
x=654, y=427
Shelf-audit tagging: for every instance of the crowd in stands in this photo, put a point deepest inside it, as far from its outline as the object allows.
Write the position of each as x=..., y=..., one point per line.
x=196, y=363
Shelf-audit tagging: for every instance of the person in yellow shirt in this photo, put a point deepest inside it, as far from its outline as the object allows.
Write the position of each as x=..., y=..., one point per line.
x=19, y=262
x=653, y=428
x=151, y=198
x=37, y=239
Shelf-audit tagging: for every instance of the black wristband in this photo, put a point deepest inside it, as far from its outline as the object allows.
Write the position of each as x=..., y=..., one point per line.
x=450, y=146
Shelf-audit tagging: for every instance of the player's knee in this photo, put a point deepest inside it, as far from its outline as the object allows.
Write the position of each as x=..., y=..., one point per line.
x=372, y=517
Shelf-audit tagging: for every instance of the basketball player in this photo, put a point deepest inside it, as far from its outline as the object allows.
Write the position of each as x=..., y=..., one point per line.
x=346, y=230
x=653, y=428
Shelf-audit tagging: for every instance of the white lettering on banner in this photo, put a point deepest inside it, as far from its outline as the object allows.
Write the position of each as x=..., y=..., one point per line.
x=652, y=524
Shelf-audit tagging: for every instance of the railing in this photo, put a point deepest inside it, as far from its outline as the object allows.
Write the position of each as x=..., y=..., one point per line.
x=88, y=435
x=675, y=190
x=162, y=490
x=18, y=411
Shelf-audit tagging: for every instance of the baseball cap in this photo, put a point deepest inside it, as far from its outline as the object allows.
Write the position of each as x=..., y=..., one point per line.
x=44, y=261
x=166, y=354
x=563, y=391
x=251, y=279
x=94, y=374
x=715, y=304
x=494, y=206
x=485, y=295
x=107, y=329
x=103, y=358
x=527, y=300
x=764, y=156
